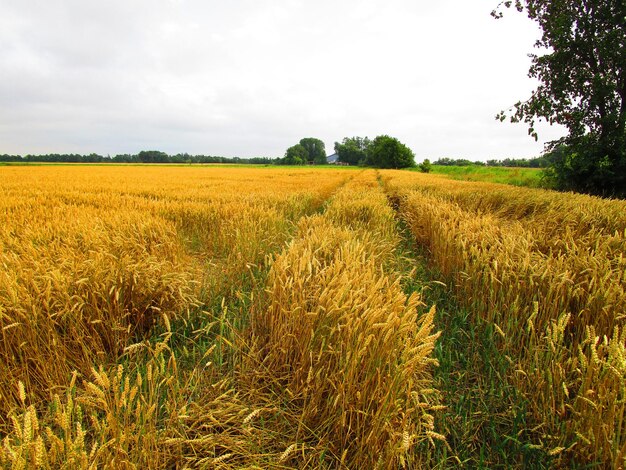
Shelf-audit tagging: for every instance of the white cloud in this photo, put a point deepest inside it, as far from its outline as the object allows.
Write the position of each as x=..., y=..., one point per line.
x=251, y=78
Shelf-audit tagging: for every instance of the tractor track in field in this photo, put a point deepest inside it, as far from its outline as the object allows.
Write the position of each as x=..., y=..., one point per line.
x=485, y=417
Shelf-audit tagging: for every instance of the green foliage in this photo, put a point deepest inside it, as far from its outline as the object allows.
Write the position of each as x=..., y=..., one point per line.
x=585, y=166
x=425, y=166
x=445, y=161
x=536, y=162
x=309, y=150
x=152, y=156
x=352, y=150
x=389, y=152
x=316, y=151
x=296, y=155
x=582, y=86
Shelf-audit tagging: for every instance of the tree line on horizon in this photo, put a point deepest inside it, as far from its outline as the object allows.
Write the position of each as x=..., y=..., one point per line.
x=537, y=162
x=145, y=156
x=351, y=151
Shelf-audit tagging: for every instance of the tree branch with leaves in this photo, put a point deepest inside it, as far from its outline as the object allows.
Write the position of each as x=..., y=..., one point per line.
x=581, y=69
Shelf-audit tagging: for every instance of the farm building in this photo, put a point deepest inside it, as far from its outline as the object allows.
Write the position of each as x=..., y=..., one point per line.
x=334, y=160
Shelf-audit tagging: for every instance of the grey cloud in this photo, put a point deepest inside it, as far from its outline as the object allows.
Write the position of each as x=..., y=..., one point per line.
x=250, y=78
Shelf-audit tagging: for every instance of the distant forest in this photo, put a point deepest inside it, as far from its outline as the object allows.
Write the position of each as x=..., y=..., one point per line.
x=146, y=156
x=155, y=156
x=538, y=162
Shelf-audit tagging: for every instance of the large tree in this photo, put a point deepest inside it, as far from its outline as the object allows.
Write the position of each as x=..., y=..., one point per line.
x=316, y=150
x=352, y=150
x=296, y=155
x=389, y=152
x=581, y=69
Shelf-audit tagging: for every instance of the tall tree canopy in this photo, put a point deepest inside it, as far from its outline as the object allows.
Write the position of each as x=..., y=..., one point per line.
x=296, y=155
x=582, y=85
x=389, y=152
x=309, y=150
x=352, y=150
x=316, y=151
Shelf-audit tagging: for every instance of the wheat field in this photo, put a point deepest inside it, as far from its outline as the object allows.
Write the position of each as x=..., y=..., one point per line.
x=197, y=317
x=217, y=317
x=548, y=272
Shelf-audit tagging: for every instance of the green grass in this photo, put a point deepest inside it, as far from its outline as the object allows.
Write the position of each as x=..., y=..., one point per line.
x=530, y=177
x=485, y=420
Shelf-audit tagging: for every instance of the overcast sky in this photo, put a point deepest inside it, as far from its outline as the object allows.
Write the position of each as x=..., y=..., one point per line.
x=252, y=77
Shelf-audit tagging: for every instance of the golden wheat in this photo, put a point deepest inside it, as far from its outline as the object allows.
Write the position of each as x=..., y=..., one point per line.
x=115, y=305
x=549, y=271
x=93, y=257
x=342, y=339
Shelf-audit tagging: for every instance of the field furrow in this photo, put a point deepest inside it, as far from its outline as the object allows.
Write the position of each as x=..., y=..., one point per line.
x=157, y=324
x=98, y=262
x=341, y=343
x=212, y=317
x=547, y=272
